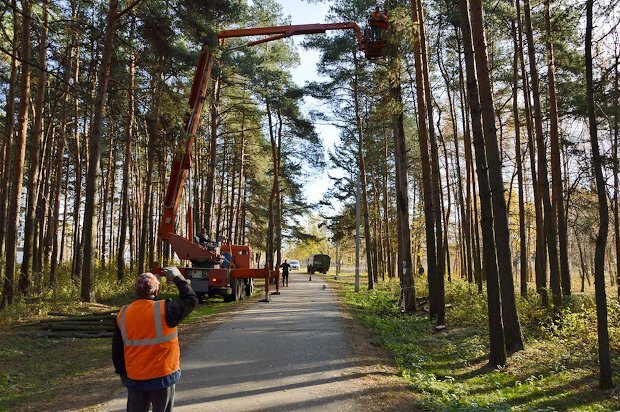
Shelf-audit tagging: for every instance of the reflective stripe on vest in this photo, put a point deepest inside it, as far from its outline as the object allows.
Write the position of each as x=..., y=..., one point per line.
x=159, y=336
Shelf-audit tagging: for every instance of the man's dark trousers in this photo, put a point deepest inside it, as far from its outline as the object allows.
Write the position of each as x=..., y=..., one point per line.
x=162, y=400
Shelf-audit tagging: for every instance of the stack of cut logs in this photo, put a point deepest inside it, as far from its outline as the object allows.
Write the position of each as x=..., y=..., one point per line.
x=90, y=325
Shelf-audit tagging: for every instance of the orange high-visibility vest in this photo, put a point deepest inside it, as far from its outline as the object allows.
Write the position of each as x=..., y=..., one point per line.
x=151, y=347
x=383, y=21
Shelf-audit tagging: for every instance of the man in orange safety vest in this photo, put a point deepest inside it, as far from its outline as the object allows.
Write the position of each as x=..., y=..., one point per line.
x=145, y=345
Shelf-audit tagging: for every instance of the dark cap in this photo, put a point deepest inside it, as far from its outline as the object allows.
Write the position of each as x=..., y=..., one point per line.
x=146, y=284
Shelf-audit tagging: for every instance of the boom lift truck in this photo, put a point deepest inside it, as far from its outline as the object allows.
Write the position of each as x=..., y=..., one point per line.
x=217, y=268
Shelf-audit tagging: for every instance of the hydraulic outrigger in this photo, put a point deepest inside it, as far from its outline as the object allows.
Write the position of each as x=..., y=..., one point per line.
x=228, y=267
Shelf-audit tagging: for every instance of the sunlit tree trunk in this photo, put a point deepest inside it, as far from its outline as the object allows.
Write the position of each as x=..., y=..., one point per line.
x=17, y=165
x=362, y=173
x=9, y=128
x=556, y=170
x=386, y=211
x=497, y=352
x=474, y=274
x=512, y=327
x=94, y=152
x=436, y=295
x=549, y=223
x=523, y=261
x=34, y=145
x=605, y=379
x=402, y=191
x=62, y=139
x=125, y=207
x=213, y=123
x=616, y=168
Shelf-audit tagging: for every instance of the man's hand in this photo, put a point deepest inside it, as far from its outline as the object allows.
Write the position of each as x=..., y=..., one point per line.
x=171, y=272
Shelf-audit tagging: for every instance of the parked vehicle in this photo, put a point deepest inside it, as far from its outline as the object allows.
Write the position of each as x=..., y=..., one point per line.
x=318, y=263
x=294, y=264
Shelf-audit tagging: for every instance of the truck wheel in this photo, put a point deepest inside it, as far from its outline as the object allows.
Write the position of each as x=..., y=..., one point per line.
x=201, y=296
x=249, y=287
x=240, y=289
x=234, y=292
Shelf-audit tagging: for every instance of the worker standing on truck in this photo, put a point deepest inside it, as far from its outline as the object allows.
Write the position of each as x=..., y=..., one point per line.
x=145, y=345
x=374, y=21
x=285, y=268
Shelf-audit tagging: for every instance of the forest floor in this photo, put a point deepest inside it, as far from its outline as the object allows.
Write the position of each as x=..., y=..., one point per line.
x=558, y=370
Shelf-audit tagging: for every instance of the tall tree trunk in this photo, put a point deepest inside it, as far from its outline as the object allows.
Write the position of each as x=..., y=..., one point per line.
x=432, y=254
x=437, y=295
x=210, y=200
x=386, y=211
x=617, y=168
x=466, y=270
x=605, y=379
x=362, y=173
x=278, y=193
x=497, y=352
x=25, y=279
x=9, y=128
x=18, y=160
x=549, y=223
x=475, y=273
x=271, y=227
x=402, y=192
x=512, y=328
x=231, y=187
x=144, y=224
x=540, y=266
x=523, y=267
x=559, y=215
x=94, y=152
x=106, y=195
x=60, y=153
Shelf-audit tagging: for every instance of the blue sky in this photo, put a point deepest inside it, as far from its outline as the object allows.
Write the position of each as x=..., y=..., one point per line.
x=302, y=12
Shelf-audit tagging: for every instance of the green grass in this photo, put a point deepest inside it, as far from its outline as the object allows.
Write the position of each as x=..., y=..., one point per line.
x=556, y=372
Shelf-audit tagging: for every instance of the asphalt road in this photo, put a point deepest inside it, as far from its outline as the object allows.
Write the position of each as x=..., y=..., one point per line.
x=289, y=354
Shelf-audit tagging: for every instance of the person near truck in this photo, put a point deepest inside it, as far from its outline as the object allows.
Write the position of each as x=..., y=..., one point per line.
x=145, y=345
x=285, y=269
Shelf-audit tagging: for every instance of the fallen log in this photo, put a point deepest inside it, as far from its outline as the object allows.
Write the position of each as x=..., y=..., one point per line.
x=75, y=334
x=75, y=323
x=81, y=328
x=81, y=315
x=80, y=319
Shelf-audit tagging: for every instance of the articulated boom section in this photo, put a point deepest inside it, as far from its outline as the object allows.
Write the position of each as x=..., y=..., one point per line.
x=182, y=159
x=280, y=32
